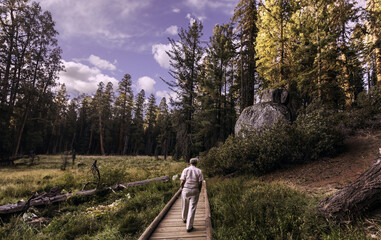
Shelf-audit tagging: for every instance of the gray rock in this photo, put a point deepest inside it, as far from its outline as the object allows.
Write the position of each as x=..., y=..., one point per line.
x=258, y=116
x=278, y=95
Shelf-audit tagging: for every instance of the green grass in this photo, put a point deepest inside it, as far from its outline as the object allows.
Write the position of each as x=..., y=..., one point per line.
x=121, y=215
x=244, y=208
x=21, y=181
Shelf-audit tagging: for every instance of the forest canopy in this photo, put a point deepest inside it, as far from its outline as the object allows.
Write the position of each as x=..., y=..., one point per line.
x=321, y=50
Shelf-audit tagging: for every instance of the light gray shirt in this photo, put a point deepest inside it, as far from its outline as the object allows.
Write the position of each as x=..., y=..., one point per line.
x=192, y=176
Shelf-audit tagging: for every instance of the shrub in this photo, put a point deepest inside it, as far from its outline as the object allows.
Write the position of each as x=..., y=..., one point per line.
x=318, y=133
x=67, y=181
x=314, y=134
x=111, y=175
x=228, y=158
x=360, y=116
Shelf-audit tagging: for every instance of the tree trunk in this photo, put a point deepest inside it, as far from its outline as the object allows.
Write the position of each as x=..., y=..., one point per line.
x=101, y=134
x=378, y=63
x=120, y=140
x=125, y=145
x=21, y=130
x=90, y=140
x=281, y=77
x=359, y=197
x=318, y=56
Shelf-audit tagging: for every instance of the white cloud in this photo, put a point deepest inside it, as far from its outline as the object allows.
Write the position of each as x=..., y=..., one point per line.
x=147, y=84
x=173, y=30
x=98, y=19
x=160, y=55
x=167, y=94
x=176, y=10
x=80, y=78
x=199, y=4
x=101, y=63
x=226, y=6
x=191, y=19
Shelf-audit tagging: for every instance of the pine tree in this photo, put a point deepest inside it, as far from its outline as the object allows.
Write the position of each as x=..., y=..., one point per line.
x=214, y=89
x=60, y=113
x=374, y=25
x=246, y=17
x=150, y=122
x=138, y=124
x=124, y=105
x=29, y=65
x=165, y=129
x=102, y=105
x=273, y=42
x=185, y=59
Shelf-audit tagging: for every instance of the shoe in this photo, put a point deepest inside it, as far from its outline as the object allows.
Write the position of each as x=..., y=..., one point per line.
x=190, y=229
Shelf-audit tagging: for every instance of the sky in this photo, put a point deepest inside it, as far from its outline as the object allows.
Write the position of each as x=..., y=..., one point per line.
x=103, y=40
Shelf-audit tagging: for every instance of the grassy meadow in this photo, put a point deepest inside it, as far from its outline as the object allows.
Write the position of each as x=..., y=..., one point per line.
x=242, y=207
x=121, y=215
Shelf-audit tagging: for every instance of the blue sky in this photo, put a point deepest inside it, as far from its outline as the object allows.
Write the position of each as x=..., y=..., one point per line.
x=102, y=40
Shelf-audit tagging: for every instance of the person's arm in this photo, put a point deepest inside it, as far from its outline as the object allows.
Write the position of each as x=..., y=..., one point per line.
x=182, y=182
x=201, y=179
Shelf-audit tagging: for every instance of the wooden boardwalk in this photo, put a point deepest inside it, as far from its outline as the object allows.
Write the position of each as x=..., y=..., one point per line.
x=168, y=224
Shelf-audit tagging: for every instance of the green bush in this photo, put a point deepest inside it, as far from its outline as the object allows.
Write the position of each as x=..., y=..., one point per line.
x=360, y=116
x=68, y=181
x=314, y=134
x=111, y=175
x=318, y=133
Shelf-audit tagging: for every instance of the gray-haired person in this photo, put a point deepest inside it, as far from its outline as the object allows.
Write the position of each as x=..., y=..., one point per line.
x=191, y=182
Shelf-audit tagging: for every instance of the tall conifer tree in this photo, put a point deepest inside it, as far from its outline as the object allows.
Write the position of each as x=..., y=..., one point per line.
x=185, y=58
x=246, y=18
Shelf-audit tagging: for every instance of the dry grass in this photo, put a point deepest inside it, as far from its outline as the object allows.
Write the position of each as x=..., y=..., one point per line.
x=20, y=181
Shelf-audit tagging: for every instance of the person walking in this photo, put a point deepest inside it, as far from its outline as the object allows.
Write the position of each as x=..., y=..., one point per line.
x=191, y=183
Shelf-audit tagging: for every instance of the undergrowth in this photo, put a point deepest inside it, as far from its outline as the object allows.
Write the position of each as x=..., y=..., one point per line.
x=317, y=132
x=243, y=208
x=106, y=215
x=123, y=215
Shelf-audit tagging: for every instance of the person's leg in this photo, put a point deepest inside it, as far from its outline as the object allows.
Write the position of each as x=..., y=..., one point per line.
x=192, y=208
x=184, y=205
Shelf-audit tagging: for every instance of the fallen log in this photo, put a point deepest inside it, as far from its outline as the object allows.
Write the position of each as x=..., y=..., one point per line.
x=55, y=195
x=357, y=198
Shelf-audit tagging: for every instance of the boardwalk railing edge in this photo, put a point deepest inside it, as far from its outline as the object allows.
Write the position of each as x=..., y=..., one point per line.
x=208, y=217
x=147, y=233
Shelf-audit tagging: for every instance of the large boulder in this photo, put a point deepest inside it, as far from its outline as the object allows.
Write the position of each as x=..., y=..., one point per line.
x=277, y=95
x=259, y=115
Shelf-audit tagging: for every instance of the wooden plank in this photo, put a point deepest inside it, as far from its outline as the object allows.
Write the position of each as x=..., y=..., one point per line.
x=159, y=217
x=176, y=229
x=180, y=238
x=208, y=218
x=170, y=220
x=171, y=225
x=178, y=216
x=183, y=233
